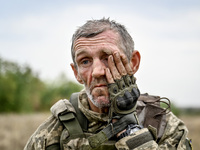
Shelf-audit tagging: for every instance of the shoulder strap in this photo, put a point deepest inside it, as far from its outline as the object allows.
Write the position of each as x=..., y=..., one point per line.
x=79, y=115
x=65, y=113
x=72, y=126
x=71, y=123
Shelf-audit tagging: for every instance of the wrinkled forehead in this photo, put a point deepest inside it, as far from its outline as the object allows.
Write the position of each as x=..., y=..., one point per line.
x=108, y=37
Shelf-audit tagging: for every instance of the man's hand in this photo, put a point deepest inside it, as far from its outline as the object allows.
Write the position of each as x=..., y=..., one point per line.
x=123, y=96
x=122, y=87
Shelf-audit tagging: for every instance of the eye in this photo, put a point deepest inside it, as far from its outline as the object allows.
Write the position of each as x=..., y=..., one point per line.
x=85, y=62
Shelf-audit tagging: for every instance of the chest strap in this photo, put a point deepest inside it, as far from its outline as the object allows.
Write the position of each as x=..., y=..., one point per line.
x=72, y=126
x=79, y=115
x=71, y=123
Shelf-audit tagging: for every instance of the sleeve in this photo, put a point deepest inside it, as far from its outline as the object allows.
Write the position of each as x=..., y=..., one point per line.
x=174, y=137
x=48, y=133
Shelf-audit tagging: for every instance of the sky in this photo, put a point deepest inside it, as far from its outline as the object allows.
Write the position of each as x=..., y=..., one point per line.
x=166, y=33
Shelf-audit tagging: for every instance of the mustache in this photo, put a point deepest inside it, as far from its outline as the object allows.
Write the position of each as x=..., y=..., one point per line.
x=97, y=82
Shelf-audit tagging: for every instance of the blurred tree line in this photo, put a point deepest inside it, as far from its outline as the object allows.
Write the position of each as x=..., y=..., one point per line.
x=21, y=89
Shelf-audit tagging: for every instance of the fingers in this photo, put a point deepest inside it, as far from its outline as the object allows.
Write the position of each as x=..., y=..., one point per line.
x=118, y=66
x=126, y=64
x=114, y=71
x=109, y=76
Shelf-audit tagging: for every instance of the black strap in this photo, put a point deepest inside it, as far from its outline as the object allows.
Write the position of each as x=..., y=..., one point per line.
x=55, y=146
x=79, y=115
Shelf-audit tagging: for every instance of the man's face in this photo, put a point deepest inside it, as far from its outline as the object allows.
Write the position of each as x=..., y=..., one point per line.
x=91, y=56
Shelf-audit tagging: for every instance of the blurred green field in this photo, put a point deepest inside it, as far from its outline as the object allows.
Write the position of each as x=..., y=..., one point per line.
x=15, y=129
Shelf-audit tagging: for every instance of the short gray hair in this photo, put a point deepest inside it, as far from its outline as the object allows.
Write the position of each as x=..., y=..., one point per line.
x=94, y=27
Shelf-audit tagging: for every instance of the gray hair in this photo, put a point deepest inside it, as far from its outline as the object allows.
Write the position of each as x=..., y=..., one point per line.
x=94, y=27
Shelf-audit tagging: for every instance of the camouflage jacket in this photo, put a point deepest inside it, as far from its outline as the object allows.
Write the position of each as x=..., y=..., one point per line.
x=168, y=131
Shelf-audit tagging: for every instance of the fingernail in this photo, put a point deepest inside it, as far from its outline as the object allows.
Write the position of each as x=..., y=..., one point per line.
x=117, y=55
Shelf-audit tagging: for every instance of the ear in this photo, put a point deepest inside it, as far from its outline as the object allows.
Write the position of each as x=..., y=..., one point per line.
x=135, y=61
x=76, y=73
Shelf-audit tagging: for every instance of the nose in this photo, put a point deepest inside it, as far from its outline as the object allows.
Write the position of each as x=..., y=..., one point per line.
x=98, y=69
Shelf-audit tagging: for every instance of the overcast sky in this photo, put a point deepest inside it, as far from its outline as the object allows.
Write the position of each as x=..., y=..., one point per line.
x=166, y=32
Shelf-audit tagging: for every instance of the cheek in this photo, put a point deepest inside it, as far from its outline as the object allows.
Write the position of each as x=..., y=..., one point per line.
x=85, y=75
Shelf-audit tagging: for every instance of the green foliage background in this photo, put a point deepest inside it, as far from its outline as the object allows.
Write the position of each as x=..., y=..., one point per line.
x=21, y=89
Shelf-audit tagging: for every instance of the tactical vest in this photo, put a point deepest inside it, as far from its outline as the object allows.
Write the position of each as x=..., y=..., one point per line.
x=149, y=113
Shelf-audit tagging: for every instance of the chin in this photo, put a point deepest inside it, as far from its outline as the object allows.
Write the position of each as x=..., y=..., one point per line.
x=99, y=97
x=101, y=102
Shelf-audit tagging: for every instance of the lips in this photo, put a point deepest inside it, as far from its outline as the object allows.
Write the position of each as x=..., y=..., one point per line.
x=98, y=86
x=98, y=83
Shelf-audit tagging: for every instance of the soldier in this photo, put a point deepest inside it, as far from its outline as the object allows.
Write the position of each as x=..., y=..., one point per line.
x=110, y=113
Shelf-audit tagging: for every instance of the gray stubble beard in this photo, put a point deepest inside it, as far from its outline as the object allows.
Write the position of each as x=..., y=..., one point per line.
x=91, y=98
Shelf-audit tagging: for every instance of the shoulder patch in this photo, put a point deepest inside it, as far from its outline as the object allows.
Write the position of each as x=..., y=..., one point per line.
x=62, y=106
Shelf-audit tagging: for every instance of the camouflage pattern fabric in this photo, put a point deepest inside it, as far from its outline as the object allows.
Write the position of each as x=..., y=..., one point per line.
x=48, y=133
x=96, y=120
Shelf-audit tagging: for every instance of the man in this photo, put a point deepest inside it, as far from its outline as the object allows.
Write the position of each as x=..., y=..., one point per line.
x=105, y=115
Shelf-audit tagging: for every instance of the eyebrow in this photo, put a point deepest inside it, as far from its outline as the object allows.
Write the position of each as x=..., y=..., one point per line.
x=80, y=52
x=106, y=51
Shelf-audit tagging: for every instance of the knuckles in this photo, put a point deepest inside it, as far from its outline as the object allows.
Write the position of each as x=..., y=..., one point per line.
x=124, y=93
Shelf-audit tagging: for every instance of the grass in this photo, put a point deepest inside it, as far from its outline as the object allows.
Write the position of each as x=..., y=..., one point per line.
x=15, y=129
x=193, y=125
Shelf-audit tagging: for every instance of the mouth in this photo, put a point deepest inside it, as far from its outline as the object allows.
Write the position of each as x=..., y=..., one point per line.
x=100, y=85
x=97, y=83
